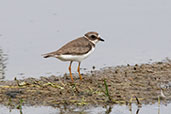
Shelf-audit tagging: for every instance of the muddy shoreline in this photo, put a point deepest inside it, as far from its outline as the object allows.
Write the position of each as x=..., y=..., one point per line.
x=141, y=84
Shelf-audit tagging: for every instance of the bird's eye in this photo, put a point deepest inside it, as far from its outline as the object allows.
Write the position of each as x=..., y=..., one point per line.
x=92, y=36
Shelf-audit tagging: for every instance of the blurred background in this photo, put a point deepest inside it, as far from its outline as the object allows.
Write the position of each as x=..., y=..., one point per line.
x=134, y=31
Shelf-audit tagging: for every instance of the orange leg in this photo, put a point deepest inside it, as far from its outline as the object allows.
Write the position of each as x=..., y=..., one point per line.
x=70, y=71
x=79, y=70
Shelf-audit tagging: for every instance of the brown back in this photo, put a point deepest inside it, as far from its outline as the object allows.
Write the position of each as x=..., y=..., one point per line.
x=75, y=47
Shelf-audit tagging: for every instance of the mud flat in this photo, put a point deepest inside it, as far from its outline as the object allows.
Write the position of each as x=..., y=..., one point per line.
x=141, y=84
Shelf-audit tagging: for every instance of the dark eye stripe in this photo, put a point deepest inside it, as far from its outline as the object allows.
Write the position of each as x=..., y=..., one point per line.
x=92, y=36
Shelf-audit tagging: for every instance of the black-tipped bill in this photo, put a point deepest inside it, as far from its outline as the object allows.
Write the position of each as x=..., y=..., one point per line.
x=101, y=39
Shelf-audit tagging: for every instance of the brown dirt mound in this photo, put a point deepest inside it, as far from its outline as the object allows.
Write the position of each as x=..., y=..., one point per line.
x=111, y=85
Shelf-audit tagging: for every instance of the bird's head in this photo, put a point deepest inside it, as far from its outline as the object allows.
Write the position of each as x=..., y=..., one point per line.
x=93, y=37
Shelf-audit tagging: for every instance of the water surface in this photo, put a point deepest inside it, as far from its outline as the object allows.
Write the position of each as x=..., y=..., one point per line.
x=117, y=109
x=134, y=32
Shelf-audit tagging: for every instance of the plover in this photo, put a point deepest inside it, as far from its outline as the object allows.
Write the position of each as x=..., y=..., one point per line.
x=76, y=50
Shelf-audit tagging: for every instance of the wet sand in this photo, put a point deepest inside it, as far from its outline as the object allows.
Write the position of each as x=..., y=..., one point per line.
x=141, y=84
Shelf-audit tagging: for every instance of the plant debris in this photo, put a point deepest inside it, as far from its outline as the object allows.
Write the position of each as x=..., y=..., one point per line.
x=139, y=84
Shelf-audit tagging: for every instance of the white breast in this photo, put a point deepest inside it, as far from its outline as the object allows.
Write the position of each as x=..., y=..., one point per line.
x=78, y=58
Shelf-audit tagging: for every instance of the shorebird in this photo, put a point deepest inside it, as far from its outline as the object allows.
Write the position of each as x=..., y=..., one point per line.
x=76, y=50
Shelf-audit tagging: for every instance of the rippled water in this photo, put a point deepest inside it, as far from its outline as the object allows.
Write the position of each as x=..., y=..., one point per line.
x=117, y=109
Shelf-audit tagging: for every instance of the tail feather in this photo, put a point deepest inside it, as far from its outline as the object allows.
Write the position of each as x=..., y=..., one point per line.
x=47, y=55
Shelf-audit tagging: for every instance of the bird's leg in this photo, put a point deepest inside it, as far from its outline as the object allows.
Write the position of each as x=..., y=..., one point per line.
x=79, y=70
x=70, y=71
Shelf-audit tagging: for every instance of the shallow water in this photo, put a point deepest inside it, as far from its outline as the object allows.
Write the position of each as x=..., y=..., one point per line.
x=134, y=32
x=116, y=109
